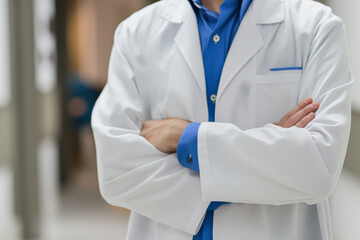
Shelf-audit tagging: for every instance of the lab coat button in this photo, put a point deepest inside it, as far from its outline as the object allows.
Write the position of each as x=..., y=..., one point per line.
x=216, y=38
x=213, y=98
x=189, y=159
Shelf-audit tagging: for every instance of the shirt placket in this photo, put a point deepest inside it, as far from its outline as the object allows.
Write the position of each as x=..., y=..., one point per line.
x=213, y=68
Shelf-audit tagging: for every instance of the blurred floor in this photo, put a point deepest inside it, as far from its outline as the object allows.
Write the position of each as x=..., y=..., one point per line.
x=83, y=214
x=78, y=211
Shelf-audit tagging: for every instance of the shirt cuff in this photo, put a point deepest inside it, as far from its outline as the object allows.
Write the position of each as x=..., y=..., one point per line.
x=215, y=205
x=187, y=151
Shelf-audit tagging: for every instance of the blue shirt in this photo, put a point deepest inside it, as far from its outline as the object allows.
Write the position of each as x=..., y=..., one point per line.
x=217, y=32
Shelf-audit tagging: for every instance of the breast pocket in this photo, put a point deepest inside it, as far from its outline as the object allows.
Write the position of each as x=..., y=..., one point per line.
x=273, y=95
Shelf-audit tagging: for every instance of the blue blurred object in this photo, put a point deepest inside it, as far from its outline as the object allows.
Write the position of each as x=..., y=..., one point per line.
x=81, y=101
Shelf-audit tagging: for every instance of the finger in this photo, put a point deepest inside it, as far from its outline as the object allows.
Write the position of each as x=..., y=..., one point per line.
x=300, y=106
x=302, y=113
x=305, y=120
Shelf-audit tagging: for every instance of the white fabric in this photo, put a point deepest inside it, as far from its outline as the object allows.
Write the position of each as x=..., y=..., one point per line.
x=274, y=176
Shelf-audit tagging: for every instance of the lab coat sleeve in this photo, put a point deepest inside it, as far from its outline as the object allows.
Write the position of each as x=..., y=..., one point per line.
x=274, y=165
x=132, y=173
x=188, y=156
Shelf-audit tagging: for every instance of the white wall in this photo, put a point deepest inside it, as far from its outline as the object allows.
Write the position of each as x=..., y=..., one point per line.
x=4, y=55
x=349, y=11
x=5, y=90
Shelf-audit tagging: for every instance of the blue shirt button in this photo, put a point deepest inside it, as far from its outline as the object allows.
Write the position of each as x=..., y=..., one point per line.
x=189, y=159
x=213, y=98
x=216, y=38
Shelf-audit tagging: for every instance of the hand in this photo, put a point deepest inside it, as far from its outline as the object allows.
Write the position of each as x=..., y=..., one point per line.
x=164, y=134
x=301, y=115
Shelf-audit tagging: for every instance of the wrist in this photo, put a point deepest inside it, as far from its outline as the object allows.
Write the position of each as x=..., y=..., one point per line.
x=177, y=130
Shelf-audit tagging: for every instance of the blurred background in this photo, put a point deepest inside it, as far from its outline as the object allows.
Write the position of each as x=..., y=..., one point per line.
x=53, y=65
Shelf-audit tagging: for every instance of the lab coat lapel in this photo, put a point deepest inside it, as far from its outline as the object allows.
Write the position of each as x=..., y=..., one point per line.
x=248, y=39
x=247, y=42
x=188, y=42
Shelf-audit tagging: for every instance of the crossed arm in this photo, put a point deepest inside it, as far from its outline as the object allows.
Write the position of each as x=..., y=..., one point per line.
x=165, y=134
x=296, y=164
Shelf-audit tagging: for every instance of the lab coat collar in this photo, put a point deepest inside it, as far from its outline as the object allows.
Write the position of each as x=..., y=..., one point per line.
x=266, y=11
x=248, y=40
x=269, y=11
x=188, y=42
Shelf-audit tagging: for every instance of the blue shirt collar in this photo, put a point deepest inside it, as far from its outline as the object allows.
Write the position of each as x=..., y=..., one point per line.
x=229, y=3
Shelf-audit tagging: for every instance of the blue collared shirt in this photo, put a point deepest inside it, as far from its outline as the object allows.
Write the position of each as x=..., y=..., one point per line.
x=217, y=32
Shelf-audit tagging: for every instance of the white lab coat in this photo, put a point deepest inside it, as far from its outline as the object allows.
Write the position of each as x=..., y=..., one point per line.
x=278, y=179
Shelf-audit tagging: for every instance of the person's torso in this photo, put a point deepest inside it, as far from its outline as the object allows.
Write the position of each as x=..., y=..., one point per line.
x=260, y=83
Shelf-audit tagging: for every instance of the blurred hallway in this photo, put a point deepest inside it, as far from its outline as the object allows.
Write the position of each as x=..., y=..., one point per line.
x=53, y=64
x=53, y=60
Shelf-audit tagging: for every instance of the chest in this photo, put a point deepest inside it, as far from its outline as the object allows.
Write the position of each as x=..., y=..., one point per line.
x=251, y=96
